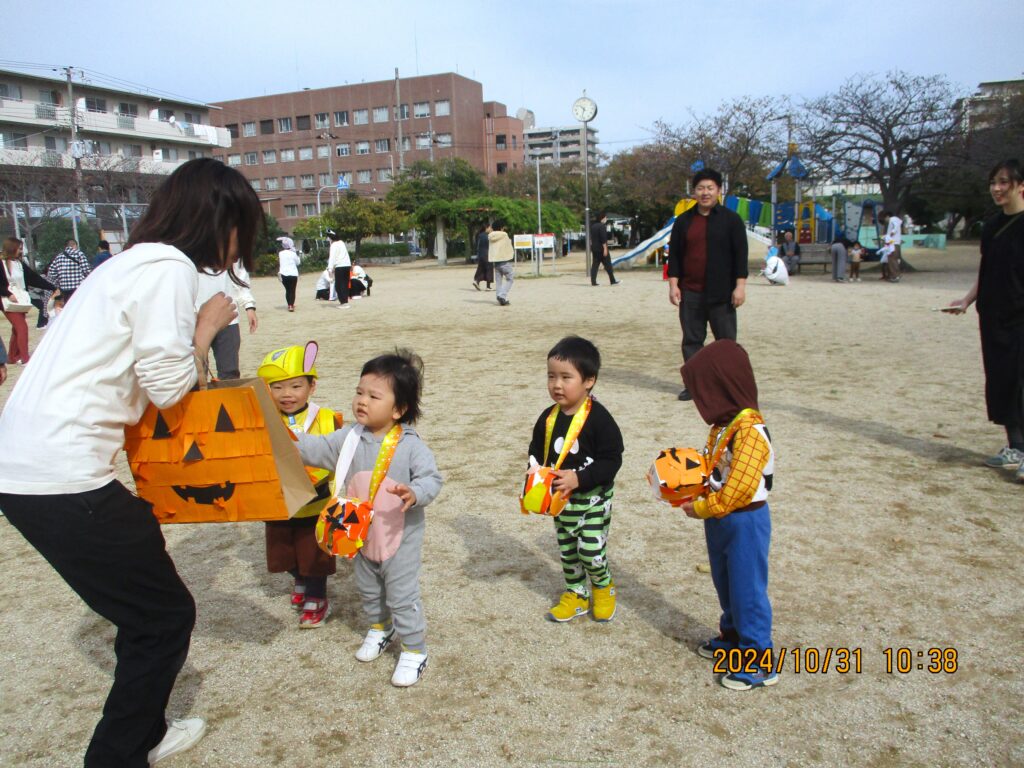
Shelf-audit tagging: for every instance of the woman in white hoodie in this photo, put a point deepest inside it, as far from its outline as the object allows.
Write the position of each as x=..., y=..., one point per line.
x=131, y=337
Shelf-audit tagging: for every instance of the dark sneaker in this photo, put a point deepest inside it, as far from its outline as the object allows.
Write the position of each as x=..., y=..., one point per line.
x=744, y=681
x=706, y=650
x=685, y=395
x=1007, y=458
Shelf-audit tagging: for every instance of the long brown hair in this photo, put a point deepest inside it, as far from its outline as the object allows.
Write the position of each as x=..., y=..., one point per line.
x=11, y=246
x=197, y=209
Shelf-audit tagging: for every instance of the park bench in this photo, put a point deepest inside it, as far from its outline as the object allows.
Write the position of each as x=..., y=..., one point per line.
x=816, y=253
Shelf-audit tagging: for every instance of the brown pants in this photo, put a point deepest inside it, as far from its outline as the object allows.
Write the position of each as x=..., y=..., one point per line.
x=894, y=263
x=291, y=546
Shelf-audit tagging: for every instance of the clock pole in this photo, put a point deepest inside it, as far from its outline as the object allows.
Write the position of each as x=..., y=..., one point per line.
x=585, y=110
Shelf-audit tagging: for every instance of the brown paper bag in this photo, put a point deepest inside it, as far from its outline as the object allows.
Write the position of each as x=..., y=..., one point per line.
x=220, y=455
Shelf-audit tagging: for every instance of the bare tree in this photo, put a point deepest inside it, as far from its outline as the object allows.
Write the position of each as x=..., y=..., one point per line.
x=885, y=130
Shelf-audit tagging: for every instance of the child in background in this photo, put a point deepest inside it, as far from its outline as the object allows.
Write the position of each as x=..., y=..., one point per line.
x=593, y=455
x=291, y=544
x=737, y=524
x=856, y=257
x=387, y=567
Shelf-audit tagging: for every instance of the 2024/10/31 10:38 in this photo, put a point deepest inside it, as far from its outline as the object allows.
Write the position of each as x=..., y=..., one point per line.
x=838, y=660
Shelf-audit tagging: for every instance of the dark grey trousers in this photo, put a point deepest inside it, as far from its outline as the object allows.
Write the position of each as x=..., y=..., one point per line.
x=695, y=314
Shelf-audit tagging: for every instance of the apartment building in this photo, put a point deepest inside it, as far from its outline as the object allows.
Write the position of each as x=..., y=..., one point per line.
x=294, y=147
x=118, y=132
x=554, y=146
x=988, y=104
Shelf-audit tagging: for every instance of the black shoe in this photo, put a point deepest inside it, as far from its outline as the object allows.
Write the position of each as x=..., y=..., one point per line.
x=685, y=395
x=594, y=284
x=503, y=302
x=616, y=282
x=476, y=285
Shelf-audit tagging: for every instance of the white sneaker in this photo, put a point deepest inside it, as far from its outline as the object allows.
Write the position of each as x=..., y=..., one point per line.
x=409, y=669
x=181, y=734
x=374, y=643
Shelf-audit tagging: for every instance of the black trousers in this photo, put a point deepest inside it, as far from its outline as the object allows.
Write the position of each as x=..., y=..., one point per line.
x=290, y=281
x=696, y=314
x=596, y=261
x=108, y=547
x=341, y=283
x=484, y=272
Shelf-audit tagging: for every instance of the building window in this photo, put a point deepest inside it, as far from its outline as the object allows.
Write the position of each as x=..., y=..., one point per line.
x=95, y=104
x=10, y=91
x=380, y=114
x=165, y=115
x=256, y=184
x=289, y=182
x=52, y=98
x=362, y=147
x=309, y=209
x=249, y=129
x=346, y=176
x=305, y=153
x=192, y=117
x=360, y=117
x=323, y=151
x=402, y=112
x=128, y=110
x=342, y=150
x=284, y=125
x=234, y=159
x=383, y=174
x=193, y=155
x=306, y=180
x=325, y=179
x=502, y=168
x=291, y=211
x=341, y=118
x=287, y=155
x=250, y=158
x=382, y=145
x=133, y=150
x=302, y=123
x=54, y=144
x=421, y=109
x=442, y=108
x=422, y=141
x=232, y=129
x=444, y=139
x=513, y=141
x=269, y=156
x=272, y=184
x=499, y=142
x=103, y=148
x=406, y=144
x=364, y=177
x=322, y=120
x=266, y=127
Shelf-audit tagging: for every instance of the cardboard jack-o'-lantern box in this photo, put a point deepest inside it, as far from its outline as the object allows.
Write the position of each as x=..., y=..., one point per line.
x=220, y=455
x=538, y=497
x=678, y=475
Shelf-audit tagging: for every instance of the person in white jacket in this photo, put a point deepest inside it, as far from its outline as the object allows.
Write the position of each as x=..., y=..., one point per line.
x=131, y=337
x=288, y=270
x=340, y=266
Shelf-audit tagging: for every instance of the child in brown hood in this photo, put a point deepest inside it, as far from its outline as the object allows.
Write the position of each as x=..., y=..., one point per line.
x=737, y=523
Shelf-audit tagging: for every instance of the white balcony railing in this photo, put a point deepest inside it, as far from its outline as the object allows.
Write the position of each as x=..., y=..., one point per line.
x=45, y=158
x=112, y=124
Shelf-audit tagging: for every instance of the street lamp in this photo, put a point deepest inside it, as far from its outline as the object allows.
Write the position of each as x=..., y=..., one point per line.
x=328, y=137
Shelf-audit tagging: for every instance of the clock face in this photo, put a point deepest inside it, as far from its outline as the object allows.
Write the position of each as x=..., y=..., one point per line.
x=584, y=109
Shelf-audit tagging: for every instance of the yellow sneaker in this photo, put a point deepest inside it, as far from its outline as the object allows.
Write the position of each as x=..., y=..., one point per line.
x=604, y=602
x=569, y=607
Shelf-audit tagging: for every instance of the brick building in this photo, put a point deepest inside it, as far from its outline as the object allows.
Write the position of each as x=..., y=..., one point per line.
x=294, y=146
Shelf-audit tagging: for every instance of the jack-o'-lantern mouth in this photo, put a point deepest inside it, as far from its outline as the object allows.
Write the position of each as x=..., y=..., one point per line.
x=205, y=494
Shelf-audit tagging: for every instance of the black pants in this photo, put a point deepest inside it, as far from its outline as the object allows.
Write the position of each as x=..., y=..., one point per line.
x=290, y=281
x=695, y=314
x=108, y=547
x=358, y=287
x=341, y=283
x=484, y=272
x=596, y=261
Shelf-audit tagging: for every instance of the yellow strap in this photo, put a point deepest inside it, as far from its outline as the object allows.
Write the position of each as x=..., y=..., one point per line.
x=575, y=427
x=387, y=452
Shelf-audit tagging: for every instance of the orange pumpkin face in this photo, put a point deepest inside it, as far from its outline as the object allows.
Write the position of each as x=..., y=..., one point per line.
x=537, y=496
x=678, y=475
x=343, y=527
x=209, y=459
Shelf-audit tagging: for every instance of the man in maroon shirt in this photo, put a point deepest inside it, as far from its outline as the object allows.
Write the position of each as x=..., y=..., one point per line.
x=707, y=267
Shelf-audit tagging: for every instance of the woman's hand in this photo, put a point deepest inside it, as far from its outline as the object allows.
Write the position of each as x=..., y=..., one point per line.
x=213, y=317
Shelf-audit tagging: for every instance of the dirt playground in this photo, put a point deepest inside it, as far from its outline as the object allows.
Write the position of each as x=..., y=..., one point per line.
x=888, y=534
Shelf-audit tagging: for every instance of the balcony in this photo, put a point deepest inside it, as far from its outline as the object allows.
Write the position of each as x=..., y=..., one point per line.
x=111, y=124
x=46, y=158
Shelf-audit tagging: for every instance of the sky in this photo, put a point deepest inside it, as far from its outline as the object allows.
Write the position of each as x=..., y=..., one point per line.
x=641, y=60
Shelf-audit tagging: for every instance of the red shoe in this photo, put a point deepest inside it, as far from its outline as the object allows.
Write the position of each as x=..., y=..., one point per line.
x=314, y=613
x=298, y=598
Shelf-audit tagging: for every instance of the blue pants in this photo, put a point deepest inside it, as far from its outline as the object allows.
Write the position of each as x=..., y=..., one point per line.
x=738, y=551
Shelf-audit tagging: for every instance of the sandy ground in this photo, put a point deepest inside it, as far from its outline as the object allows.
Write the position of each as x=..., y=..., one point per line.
x=887, y=534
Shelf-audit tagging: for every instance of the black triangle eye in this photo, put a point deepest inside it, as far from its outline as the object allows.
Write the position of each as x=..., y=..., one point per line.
x=691, y=464
x=194, y=454
x=160, y=430
x=224, y=421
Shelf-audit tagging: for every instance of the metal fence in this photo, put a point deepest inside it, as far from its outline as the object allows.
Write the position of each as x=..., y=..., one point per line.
x=112, y=221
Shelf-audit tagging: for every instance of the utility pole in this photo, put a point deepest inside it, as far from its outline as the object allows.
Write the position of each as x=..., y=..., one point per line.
x=329, y=137
x=430, y=137
x=398, y=109
x=75, y=151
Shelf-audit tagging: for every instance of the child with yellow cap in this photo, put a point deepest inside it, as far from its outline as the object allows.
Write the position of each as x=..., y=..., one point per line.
x=291, y=544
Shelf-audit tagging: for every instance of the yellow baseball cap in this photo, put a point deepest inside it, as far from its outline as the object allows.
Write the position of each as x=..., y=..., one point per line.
x=288, y=363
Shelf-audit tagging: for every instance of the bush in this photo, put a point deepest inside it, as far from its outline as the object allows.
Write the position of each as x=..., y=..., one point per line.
x=267, y=264
x=369, y=251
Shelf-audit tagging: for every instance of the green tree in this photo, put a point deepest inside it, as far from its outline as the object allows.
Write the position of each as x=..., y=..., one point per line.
x=266, y=242
x=354, y=218
x=54, y=233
